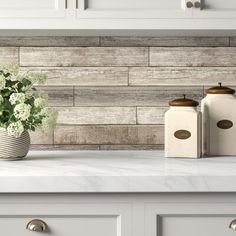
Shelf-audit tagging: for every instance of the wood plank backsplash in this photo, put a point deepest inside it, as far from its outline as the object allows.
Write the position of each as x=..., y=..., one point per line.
x=112, y=92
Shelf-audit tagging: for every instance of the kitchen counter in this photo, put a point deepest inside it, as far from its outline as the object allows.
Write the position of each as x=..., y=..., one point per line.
x=116, y=171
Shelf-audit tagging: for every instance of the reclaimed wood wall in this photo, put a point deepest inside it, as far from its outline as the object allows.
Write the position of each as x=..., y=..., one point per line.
x=112, y=92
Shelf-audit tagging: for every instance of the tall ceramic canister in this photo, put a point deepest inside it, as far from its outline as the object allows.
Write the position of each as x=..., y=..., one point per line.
x=183, y=129
x=219, y=121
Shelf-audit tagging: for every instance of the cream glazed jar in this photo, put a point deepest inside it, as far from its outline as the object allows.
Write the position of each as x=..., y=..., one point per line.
x=183, y=129
x=219, y=121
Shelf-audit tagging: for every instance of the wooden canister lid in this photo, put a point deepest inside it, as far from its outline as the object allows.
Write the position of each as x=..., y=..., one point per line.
x=220, y=90
x=183, y=102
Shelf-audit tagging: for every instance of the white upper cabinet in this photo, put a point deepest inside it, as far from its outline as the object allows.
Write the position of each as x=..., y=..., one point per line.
x=32, y=8
x=120, y=17
x=132, y=9
x=221, y=9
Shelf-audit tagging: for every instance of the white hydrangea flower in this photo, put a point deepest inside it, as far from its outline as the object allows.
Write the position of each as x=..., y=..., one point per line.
x=2, y=82
x=17, y=98
x=12, y=69
x=40, y=102
x=1, y=99
x=49, y=120
x=15, y=129
x=22, y=111
x=36, y=78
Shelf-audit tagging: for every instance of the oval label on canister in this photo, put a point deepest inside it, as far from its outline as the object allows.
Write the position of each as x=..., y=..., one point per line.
x=182, y=134
x=225, y=124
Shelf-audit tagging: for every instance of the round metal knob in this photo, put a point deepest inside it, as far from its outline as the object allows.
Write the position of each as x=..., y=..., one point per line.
x=189, y=4
x=232, y=225
x=37, y=225
x=197, y=4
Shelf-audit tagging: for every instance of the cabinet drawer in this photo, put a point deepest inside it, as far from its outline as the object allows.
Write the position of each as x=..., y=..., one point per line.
x=194, y=226
x=70, y=215
x=64, y=226
x=190, y=219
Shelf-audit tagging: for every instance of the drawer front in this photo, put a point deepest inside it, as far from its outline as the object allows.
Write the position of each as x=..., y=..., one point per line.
x=64, y=226
x=81, y=217
x=194, y=226
x=190, y=219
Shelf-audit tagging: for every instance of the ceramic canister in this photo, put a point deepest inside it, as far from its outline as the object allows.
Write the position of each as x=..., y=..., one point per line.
x=183, y=129
x=219, y=121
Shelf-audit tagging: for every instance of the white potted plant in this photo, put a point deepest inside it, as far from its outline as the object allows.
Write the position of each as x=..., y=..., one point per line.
x=22, y=109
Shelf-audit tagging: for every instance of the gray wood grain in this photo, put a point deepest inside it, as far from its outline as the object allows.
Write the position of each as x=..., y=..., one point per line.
x=128, y=135
x=83, y=76
x=165, y=41
x=96, y=115
x=83, y=56
x=151, y=115
x=58, y=96
x=149, y=76
x=193, y=56
x=8, y=55
x=49, y=41
x=232, y=41
x=40, y=138
x=133, y=96
x=64, y=147
x=132, y=147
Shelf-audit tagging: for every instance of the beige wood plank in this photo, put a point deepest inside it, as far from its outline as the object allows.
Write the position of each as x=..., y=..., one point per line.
x=8, y=55
x=133, y=96
x=40, y=138
x=128, y=135
x=151, y=115
x=49, y=41
x=96, y=115
x=58, y=96
x=192, y=56
x=83, y=76
x=165, y=41
x=83, y=56
x=187, y=76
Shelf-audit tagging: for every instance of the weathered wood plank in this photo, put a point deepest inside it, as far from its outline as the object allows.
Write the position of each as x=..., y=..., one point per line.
x=232, y=41
x=8, y=55
x=96, y=115
x=40, y=138
x=128, y=135
x=64, y=147
x=83, y=56
x=133, y=96
x=132, y=147
x=151, y=115
x=187, y=76
x=58, y=96
x=165, y=41
x=83, y=76
x=49, y=41
x=193, y=56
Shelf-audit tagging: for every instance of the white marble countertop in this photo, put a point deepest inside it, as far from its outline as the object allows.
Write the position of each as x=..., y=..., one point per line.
x=116, y=171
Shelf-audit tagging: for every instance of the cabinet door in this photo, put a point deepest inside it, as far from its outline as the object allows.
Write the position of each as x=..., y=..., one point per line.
x=32, y=8
x=133, y=9
x=216, y=9
x=189, y=219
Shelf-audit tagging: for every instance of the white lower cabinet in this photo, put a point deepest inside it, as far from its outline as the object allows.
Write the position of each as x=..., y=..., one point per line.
x=118, y=214
x=190, y=219
x=64, y=225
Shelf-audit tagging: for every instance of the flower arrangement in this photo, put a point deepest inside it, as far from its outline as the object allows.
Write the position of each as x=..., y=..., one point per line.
x=20, y=108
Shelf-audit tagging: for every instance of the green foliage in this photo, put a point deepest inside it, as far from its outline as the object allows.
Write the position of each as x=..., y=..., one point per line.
x=22, y=107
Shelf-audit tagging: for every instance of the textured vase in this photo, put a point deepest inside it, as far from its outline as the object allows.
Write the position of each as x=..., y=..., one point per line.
x=12, y=148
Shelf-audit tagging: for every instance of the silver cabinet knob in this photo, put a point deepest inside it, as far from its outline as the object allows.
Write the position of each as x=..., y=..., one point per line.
x=37, y=225
x=232, y=225
x=197, y=4
x=189, y=4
